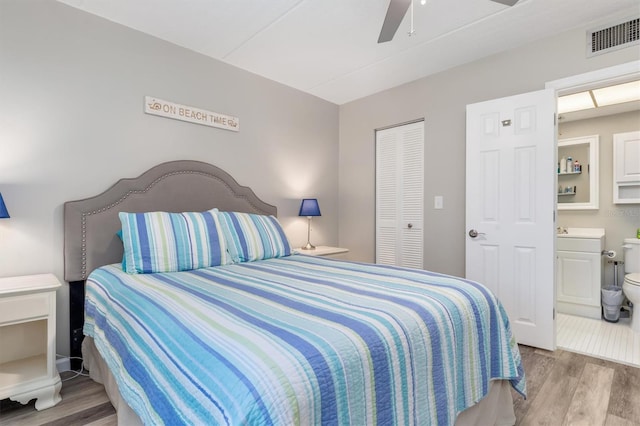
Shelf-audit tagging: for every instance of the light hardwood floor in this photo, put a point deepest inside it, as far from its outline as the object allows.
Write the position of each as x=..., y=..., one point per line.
x=84, y=402
x=564, y=388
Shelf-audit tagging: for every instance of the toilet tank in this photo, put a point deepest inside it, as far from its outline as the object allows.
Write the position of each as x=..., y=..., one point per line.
x=631, y=255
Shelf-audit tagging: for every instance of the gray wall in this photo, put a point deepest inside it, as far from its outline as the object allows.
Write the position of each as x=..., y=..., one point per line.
x=72, y=123
x=441, y=100
x=619, y=221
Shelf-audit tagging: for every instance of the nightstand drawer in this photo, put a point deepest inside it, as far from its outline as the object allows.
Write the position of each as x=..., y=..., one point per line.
x=20, y=308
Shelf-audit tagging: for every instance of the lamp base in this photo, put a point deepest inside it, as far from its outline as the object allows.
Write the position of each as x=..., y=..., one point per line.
x=309, y=246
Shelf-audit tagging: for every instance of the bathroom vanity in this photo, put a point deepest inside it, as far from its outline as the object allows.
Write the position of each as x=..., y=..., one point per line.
x=579, y=271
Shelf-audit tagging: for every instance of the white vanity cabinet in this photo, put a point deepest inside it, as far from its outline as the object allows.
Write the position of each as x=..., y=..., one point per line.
x=579, y=272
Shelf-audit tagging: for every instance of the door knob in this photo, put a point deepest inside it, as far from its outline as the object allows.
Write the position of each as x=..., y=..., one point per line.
x=473, y=233
x=410, y=225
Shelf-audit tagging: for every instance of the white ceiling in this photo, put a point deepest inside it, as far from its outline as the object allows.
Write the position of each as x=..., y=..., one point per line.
x=329, y=47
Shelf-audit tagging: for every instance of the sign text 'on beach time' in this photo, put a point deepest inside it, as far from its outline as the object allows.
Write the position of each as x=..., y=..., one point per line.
x=169, y=109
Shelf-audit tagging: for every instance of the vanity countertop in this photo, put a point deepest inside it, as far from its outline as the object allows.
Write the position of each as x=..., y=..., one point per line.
x=582, y=233
x=590, y=240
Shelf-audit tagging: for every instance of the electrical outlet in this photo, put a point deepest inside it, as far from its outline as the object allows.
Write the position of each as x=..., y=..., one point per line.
x=76, y=340
x=77, y=335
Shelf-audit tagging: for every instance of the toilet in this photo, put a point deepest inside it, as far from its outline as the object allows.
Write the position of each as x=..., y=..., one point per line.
x=631, y=285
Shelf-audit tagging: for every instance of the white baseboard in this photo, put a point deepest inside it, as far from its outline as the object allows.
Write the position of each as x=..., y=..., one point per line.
x=63, y=364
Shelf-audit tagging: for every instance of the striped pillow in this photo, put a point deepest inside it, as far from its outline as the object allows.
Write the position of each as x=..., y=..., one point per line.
x=253, y=237
x=170, y=242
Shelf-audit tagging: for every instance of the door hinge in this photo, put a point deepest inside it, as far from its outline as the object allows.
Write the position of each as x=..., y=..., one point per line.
x=554, y=314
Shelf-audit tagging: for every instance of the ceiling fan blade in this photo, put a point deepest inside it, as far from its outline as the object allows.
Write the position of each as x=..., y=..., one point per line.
x=395, y=14
x=506, y=2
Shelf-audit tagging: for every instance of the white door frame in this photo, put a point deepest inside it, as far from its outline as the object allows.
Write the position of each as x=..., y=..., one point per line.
x=603, y=77
x=606, y=76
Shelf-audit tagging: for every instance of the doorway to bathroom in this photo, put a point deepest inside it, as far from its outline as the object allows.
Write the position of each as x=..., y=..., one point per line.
x=577, y=331
x=527, y=282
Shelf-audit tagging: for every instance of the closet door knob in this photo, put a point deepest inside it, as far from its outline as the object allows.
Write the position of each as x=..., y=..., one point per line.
x=410, y=225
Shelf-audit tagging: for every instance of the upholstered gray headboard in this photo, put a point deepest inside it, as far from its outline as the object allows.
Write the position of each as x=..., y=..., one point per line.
x=90, y=225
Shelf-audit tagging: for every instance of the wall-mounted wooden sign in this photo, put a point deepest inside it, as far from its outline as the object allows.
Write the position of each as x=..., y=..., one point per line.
x=169, y=109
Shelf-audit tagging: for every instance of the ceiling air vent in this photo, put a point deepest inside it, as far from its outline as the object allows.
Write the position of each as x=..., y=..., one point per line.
x=614, y=37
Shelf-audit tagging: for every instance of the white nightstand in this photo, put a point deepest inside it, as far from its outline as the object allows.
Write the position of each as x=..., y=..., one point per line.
x=323, y=251
x=28, y=340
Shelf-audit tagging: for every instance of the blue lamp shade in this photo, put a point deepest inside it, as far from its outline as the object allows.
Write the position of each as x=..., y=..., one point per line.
x=309, y=207
x=4, y=214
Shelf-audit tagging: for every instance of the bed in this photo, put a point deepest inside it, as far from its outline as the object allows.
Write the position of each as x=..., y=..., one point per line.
x=268, y=336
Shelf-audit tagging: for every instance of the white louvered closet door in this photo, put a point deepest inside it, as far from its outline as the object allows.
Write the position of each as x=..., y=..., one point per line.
x=400, y=195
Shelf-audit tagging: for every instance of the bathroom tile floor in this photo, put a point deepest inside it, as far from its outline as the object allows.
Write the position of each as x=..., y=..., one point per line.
x=599, y=338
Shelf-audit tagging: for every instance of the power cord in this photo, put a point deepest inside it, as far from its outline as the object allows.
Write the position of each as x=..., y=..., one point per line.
x=77, y=373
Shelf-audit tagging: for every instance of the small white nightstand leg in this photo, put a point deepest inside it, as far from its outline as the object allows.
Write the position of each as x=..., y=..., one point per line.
x=46, y=396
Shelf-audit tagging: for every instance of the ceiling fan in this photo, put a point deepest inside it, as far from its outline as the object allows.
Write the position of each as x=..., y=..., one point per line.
x=397, y=10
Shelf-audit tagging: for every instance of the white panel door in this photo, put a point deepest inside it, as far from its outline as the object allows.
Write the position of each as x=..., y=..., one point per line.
x=510, y=208
x=400, y=195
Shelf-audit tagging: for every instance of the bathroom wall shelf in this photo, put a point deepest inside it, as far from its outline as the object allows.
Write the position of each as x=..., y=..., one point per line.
x=569, y=173
x=572, y=192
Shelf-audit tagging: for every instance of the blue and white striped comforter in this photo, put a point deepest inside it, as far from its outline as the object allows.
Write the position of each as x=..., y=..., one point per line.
x=300, y=340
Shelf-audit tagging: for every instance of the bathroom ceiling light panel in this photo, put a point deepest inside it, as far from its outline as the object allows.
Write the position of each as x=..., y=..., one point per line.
x=620, y=93
x=575, y=102
x=605, y=96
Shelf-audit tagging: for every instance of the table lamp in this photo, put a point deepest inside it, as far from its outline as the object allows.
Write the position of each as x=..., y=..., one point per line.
x=4, y=214
x=309, y=208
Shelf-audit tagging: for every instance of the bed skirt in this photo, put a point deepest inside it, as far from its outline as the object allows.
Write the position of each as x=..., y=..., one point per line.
x=495, y=409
